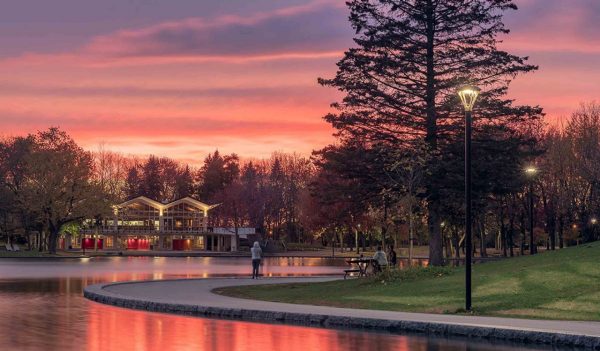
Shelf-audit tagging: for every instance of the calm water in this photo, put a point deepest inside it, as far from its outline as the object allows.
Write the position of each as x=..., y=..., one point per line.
x=42, y=308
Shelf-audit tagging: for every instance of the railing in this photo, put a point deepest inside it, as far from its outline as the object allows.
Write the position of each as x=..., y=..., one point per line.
x=143, y=231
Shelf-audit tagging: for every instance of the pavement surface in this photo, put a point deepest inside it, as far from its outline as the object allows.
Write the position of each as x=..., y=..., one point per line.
x=199, y=292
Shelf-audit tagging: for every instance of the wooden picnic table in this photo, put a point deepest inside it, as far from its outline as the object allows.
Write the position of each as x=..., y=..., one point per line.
x=362, y=265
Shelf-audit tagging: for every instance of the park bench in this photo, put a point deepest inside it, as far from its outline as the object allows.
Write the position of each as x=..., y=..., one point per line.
x=358, y=265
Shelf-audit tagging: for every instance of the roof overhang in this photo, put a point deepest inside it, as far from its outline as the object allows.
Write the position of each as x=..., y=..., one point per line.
x=157, y=205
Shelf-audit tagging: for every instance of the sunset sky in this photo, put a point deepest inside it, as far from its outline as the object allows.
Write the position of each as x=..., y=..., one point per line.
x=181, y=78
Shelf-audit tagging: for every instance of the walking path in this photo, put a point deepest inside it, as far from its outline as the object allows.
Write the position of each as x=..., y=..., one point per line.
x=195, y=297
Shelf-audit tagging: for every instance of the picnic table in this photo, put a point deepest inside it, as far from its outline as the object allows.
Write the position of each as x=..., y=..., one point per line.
x=359, y=265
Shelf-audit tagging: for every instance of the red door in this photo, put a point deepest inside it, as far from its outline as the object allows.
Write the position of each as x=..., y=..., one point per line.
x=132, y=244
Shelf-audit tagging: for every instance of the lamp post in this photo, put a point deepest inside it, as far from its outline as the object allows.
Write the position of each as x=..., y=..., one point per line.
x=356, y=238
x=531, y=172
x=468, y=95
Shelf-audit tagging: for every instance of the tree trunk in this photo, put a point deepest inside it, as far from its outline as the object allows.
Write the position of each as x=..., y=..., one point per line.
x=436, y=254
x=456, y=243
x=503, y=241
x=511, y=235
x=333, y=245
x=40, y=242
x=362, y=240
x=384, y=226
x=448, y=246
x=53, y=239
x=482, y=245
x=561, y=229
x=411, y=236
x=523, y=235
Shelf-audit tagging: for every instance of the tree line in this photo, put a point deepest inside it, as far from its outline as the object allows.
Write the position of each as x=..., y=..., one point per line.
x=345, y=194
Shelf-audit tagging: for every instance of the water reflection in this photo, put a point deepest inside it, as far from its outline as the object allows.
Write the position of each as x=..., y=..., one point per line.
x=163, y=332
x=42, y=308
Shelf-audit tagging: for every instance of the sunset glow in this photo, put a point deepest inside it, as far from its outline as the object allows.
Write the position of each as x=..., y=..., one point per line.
x=181, y=81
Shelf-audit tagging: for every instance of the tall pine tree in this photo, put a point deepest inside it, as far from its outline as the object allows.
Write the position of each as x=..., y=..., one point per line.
x=400, y=81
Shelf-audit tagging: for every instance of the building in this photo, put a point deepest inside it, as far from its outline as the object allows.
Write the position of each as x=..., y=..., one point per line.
x=144, y=224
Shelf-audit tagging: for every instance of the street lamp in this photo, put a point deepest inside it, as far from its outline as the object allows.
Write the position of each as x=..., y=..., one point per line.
x=468, y=95
x=531, y=172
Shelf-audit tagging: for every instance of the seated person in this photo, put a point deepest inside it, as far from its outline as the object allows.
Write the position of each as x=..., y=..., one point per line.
x=380, y=260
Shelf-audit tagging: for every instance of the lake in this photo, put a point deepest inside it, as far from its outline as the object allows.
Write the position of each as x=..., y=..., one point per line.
x=42, y=308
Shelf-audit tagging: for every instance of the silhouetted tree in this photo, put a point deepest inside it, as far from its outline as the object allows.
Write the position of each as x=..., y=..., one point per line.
x=400, y=80
x=133, y=182
x=184, y=182
x=152, y=178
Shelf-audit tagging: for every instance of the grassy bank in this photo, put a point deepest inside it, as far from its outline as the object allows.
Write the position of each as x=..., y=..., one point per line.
x=564, y=284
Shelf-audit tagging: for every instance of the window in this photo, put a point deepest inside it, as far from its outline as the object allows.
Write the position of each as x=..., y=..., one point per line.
x=200, y=242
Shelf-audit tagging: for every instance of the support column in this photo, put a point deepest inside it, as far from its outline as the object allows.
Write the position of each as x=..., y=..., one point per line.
x=233, y=244
x=161, y=219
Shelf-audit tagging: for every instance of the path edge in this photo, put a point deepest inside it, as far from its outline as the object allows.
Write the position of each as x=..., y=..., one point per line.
x=98, y=294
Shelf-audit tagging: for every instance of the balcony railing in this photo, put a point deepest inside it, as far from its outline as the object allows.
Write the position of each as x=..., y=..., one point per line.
x=137, y=230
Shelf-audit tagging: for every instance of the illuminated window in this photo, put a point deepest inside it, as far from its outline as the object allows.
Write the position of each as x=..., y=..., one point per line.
x=200, y=242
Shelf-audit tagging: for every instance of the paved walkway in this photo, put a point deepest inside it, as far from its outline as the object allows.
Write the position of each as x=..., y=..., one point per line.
x=198, y=292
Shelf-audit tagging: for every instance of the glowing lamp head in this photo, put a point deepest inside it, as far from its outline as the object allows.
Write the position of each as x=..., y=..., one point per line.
x=531, y=170
x=468, y=96
x=594, y=221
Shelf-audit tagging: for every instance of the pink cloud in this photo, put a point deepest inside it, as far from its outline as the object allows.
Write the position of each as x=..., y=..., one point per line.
x=319, y=26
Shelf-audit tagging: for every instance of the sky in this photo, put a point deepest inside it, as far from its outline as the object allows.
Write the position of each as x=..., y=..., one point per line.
x=181, y=78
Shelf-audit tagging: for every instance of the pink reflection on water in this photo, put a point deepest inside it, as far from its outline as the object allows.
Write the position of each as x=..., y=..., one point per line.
x=112, y=328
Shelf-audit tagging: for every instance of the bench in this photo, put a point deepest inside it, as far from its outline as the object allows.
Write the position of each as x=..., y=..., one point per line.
x=348, y=271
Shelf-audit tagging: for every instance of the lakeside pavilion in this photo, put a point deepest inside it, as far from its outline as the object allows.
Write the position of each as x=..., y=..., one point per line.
x=145, y=224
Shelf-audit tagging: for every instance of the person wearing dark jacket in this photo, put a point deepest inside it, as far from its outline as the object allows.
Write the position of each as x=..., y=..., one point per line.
x=392, y=257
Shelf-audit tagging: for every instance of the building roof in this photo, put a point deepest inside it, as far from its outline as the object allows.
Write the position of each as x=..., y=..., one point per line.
x=157, y=205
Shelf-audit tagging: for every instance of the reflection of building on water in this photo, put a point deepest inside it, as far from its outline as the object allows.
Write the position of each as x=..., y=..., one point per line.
x=145, y=224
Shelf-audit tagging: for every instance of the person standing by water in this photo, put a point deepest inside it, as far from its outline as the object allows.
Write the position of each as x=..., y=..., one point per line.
x=256, y=257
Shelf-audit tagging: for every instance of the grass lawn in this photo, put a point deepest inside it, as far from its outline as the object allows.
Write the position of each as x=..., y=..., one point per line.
x=564, y=284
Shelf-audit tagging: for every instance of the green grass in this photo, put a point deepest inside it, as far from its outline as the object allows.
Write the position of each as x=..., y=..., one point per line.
x=564, y=284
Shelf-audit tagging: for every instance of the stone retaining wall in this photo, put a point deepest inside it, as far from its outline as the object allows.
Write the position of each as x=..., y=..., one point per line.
x=96, y=293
